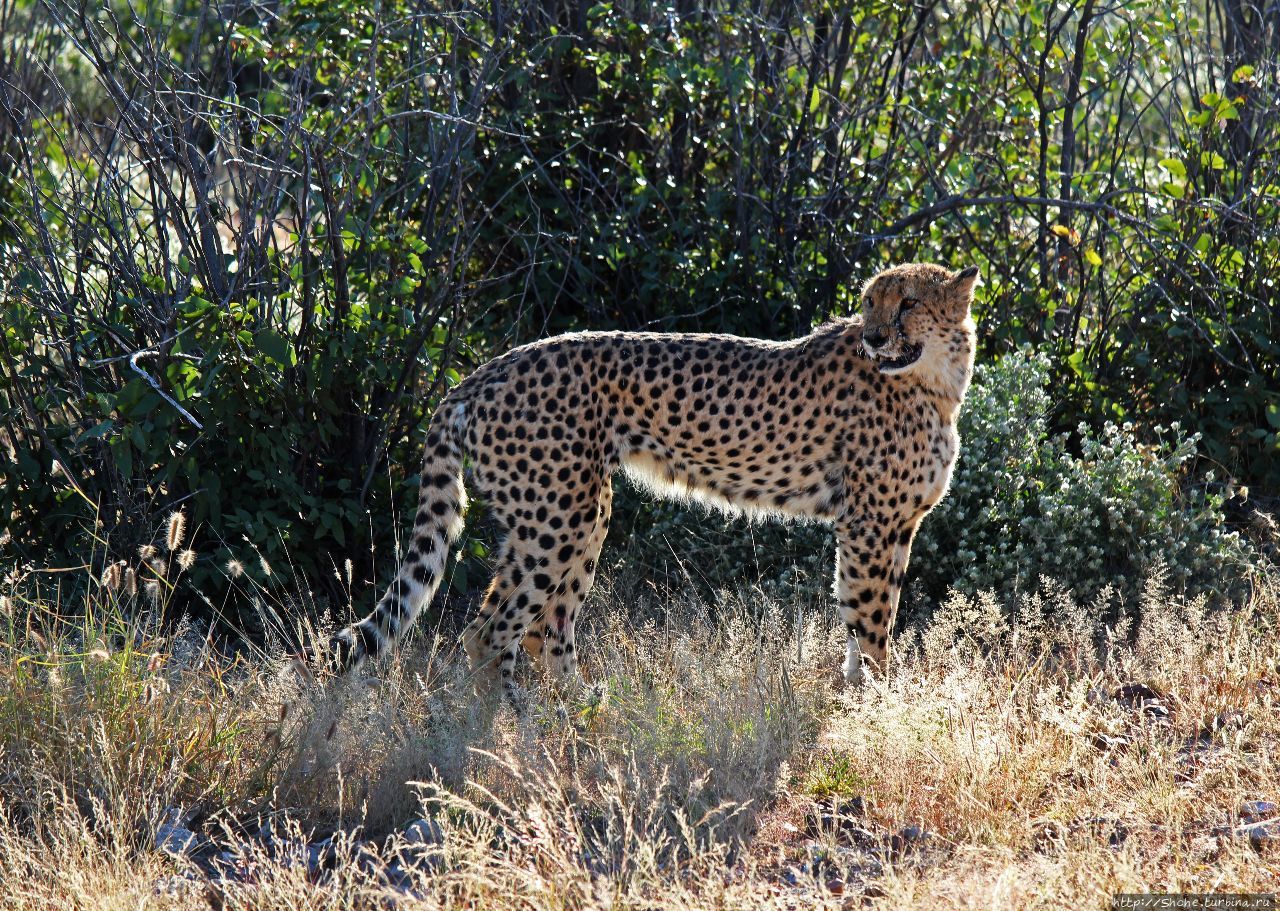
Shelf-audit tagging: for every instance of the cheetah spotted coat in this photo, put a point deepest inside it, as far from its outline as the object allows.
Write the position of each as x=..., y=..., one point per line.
x=853, y=424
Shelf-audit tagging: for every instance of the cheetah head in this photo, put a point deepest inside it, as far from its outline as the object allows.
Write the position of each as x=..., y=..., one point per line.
x=911, y=314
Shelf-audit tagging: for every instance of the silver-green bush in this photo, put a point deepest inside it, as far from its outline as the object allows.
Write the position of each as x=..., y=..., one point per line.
x=1101, y=508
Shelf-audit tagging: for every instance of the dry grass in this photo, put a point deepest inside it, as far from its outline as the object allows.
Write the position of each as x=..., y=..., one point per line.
x=720, y=769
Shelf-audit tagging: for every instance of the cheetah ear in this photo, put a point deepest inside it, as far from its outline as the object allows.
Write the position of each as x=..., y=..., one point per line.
x=963, y=283
x=960, y=291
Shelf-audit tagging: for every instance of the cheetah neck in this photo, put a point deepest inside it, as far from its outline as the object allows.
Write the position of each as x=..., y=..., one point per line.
x=944, y=379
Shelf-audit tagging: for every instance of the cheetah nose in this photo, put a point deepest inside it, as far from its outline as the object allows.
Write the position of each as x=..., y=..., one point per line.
x=876, y=337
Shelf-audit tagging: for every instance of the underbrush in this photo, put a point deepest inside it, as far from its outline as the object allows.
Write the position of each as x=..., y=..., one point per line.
x=1037, y=758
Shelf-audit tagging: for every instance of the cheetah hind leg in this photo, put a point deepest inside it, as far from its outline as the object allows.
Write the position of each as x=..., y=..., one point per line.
x=492, y=638
x=550, y=639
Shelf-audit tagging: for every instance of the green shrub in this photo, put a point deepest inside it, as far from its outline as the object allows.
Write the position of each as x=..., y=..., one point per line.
x=300, y=225
x=1096, y=508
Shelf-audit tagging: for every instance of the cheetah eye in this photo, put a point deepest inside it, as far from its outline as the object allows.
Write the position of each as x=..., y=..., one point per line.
x=907, y=304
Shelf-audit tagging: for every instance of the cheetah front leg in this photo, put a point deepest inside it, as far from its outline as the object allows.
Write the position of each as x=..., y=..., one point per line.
x=871, y=561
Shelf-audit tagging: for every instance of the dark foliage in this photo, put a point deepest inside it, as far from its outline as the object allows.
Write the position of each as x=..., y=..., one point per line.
x=244, y=247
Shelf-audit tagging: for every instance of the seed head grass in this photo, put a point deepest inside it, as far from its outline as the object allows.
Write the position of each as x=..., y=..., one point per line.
x=1015, y=755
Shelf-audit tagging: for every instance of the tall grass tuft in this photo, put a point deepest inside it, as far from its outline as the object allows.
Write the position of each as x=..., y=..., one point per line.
x=1035, y=759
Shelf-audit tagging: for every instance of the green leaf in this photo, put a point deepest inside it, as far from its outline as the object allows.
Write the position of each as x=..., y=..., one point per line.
x=147, y=403
x=28, y=466
x=195, y=305
x=98, y=430
x=124, y=457
x=275, y=346
x=1174, y=167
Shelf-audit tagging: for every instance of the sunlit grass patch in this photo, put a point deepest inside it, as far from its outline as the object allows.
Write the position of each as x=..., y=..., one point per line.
x=1021, y=759
x=101, y=704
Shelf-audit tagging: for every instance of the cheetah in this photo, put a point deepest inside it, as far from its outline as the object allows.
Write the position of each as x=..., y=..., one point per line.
x=854, y=424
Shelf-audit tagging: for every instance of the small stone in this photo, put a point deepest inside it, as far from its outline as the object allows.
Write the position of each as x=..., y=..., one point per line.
x=1113, y=830
x=176, y=840
x=1138, y=697
x=844, y=826
x=908, y=840
x=1107, y=742
x=863, y=839
x=1252, y=811
x=835, y=886
x=425, y=831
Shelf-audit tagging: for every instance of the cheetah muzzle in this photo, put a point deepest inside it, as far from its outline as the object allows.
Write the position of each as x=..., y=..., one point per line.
x=851, y=425
x=910, y=354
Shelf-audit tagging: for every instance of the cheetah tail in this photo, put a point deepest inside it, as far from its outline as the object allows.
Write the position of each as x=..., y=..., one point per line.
x=438, y=522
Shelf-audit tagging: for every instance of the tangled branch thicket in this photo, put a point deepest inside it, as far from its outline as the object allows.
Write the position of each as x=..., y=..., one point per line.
x=245, y=247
